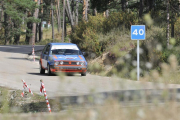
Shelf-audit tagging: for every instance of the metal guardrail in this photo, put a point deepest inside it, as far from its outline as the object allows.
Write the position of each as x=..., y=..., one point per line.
x=146, y=95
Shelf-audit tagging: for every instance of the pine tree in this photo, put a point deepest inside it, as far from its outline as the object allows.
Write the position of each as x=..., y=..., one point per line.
x=15, y=17
x=35, y=15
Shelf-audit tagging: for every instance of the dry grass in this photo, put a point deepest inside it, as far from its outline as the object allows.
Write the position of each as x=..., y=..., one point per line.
x=47, y=36
x=47, y=33
x=111, y=111
x=169, y=74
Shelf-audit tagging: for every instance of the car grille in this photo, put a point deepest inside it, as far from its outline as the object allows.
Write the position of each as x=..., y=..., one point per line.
x=66, y=63
x=69, y=63
x=73, y=63
x=71, y=68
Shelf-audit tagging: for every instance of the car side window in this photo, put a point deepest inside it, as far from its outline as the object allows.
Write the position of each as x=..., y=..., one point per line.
x=47, y=50
x=44, y=49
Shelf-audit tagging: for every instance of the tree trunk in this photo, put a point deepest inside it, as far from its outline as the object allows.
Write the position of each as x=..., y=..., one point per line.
x=67, y=13
x=32, y=39
x=16, y=39
x=77, y=11
x=58, y=14
x=73, y=12
x=64, y=5
x=107, y=13
x=95, y=12
x=28, y=32
x=141, y=9
x=36, y=36
x=40, y=31
x=150, y=4
x=167, y=32
x=7, y=29
x=52, y=20
x=1, y=20
x=127, y=3
x=69, y=18
x=40, y=35
x=84, y=9
x=123, y=3
x=179, y=8
x=65, y=28
x=59, y=9
x=1, y=15
x=17, y=35
x=70, y=14
x=172, y=29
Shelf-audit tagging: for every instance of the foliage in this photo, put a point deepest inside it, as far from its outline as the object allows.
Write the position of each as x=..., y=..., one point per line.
x=150, y=55
x=88, y=34
x=120, y=20
x=101, y=5
x=15, y=11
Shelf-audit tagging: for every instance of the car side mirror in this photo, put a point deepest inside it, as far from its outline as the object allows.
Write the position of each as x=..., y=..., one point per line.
x=83, y=53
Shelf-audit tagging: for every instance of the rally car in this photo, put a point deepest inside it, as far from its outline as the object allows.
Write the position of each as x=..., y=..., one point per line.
x=62, y=57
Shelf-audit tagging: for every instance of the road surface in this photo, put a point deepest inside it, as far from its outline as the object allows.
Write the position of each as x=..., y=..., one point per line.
x=15, y=66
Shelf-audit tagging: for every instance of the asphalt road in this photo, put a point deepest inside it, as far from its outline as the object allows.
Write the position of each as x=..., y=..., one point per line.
x=15, y=66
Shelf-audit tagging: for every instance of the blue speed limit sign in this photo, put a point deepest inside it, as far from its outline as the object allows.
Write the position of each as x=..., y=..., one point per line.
x=138, y=32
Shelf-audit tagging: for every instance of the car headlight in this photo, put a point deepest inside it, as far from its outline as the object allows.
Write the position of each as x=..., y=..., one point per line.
x=77, y=63
x=56, y=63
x=82, y=64
x=61, y=62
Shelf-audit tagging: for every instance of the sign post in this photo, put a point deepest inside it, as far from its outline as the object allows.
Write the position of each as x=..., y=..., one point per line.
x=138, y=32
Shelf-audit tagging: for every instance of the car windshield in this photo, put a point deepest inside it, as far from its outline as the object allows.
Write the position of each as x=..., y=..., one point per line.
x=65, y=52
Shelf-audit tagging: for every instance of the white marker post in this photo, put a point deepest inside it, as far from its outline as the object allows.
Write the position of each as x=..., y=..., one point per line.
x=138, y=60
x=138, y=32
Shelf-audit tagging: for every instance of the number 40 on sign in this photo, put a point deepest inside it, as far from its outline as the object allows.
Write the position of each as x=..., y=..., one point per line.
x=137, y=32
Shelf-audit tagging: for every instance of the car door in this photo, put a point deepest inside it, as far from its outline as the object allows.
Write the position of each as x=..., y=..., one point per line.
x=42, y=56
x=46, y=56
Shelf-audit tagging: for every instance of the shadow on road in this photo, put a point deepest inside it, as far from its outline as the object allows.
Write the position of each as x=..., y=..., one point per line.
x=17, y=58
x=69, y=75
x=38, y=74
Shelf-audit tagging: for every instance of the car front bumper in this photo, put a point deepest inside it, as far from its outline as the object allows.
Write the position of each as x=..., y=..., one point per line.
x=75, y=69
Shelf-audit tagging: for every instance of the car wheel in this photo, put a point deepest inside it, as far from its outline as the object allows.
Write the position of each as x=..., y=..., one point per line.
x=42, y=71
x=83, y=74
x=49, y=71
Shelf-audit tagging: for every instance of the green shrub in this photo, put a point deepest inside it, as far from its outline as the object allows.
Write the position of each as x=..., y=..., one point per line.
x=87, y=35
x=120, y=20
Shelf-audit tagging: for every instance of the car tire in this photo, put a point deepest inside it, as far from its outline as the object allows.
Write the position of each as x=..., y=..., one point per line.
x=83, y=74
x=48, y=70
x=42, y=71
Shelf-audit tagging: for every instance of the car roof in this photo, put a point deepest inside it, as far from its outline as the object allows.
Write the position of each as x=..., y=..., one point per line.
x=63, y=44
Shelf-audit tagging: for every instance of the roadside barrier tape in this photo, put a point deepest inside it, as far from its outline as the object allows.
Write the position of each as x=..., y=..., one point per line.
x=43, y=90
x=25, y=86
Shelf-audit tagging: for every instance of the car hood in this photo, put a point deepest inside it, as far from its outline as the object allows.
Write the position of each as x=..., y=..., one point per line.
x=69, y=57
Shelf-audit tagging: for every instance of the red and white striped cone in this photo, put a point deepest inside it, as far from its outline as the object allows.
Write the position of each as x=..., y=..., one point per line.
x=26, y=86
x=42, y=90
x=22, y=94
x=33, y=53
